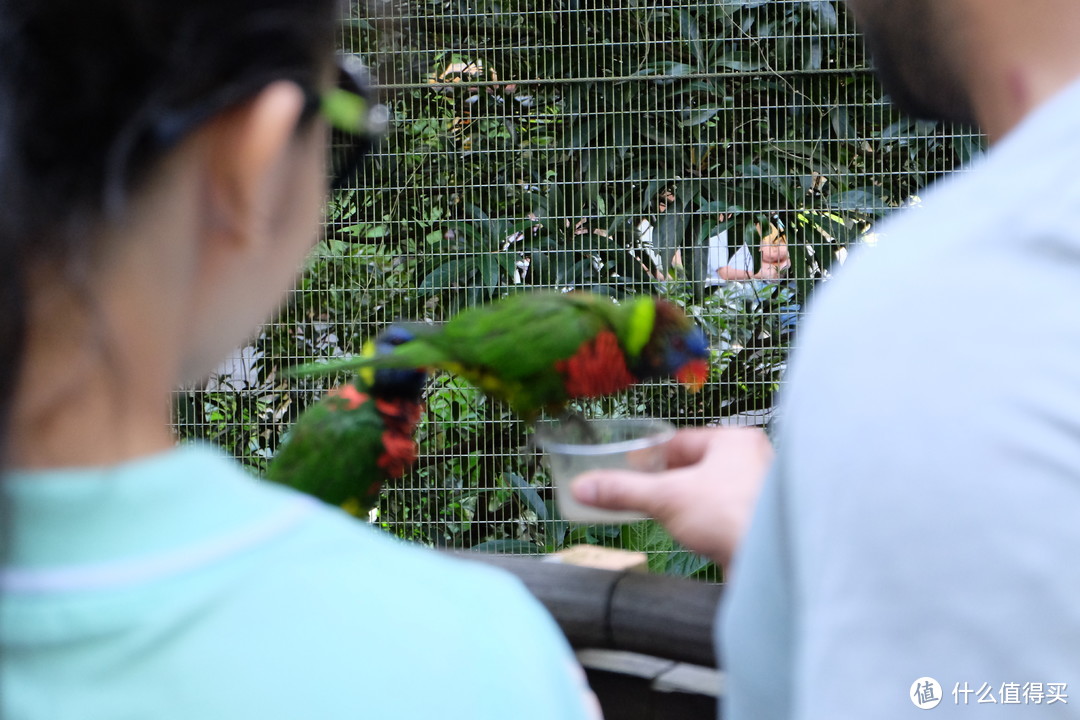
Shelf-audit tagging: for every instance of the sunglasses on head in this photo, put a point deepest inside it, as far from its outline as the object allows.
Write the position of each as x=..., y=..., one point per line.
x=356, y=120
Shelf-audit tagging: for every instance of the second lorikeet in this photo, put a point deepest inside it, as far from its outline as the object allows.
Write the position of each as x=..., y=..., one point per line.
x=342, y=448
x=537, y=351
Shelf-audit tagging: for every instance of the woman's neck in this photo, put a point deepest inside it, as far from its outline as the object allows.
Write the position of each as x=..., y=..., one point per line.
x=94, y=386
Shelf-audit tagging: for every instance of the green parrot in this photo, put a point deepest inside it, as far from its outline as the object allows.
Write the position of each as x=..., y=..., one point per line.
x=537, y=351
x=342, y=448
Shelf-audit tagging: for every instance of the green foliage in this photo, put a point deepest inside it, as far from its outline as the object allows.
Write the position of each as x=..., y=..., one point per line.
x=754, y=325
x=244, y=424
x=726, y=114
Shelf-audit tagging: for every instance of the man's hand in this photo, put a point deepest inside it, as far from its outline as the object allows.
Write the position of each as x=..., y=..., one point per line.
x=706, y=496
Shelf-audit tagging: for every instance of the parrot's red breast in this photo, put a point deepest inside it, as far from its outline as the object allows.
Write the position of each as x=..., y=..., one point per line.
x=597, y=369
x=400, y=417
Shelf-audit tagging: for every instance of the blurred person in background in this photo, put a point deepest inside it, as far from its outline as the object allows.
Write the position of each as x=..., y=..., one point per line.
x=775, y=259
x=163, y=168
x=914, y=542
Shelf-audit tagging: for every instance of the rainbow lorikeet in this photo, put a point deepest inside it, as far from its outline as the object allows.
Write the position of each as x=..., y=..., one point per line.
x=537, y=351
x=342, y=448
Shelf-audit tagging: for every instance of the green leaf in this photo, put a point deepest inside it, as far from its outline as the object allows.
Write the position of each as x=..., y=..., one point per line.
x=688, y=28
x=584, y=132
x=490, y=272
x=968, y=148
x=740, y=65
x=897, y=129
x=476, y=213
x=716, y=207
x=528, y=495
x=700, y=115
x=666, y=70
x=841, y=124
x=449, y=274
x=859, y=200
x=654, y=131
x=684, y=563
x=508, y=547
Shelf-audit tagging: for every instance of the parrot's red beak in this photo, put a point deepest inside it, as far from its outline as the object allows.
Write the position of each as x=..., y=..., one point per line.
x=693, y=374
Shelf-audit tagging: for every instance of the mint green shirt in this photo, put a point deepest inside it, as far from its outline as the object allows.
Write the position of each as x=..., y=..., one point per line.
x=178, y=586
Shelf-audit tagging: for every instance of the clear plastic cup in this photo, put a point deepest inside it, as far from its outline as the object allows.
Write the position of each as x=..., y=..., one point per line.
x=572, y=448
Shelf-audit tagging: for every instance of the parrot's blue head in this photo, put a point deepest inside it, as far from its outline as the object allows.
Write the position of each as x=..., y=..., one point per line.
x=397, y=383
x=676, y=348
x=689, y=356
x=391, y=337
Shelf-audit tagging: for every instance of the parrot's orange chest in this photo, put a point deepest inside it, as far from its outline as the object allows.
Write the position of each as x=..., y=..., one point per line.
x=598, y=368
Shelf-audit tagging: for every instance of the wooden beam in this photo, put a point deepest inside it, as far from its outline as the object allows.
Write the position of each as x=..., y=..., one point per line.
x=658, y=615
x=665, y=616
x=637, y=687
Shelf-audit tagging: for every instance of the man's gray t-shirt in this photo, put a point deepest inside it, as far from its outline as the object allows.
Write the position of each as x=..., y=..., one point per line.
x=923, y=517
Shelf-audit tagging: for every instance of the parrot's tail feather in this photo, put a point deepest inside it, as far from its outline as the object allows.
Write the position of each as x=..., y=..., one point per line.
x=330, y=367
x=409, y=355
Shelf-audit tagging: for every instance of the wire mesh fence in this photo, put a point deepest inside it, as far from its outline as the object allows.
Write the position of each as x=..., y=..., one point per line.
x=723, y=154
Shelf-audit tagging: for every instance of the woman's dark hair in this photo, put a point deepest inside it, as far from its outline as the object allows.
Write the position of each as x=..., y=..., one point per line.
x=88, y=91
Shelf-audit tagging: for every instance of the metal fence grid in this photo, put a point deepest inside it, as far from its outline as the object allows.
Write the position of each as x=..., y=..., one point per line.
x=619, y=147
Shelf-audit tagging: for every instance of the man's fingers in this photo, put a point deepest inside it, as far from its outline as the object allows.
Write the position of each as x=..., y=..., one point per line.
x=651, y=493
x=619, y=490
x=689, y=446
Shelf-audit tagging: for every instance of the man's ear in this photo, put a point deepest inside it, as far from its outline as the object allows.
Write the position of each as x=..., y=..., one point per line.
x=247, y=150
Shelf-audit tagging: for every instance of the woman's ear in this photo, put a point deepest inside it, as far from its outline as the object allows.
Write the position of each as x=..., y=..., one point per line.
x=249, y=152
x=259, y=185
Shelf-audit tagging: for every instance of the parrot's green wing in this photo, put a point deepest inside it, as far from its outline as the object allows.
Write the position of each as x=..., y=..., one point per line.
x=511, y=349
x=523, y=335
x=519, y=336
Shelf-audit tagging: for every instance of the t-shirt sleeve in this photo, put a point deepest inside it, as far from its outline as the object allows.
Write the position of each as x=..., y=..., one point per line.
x=741, y=259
